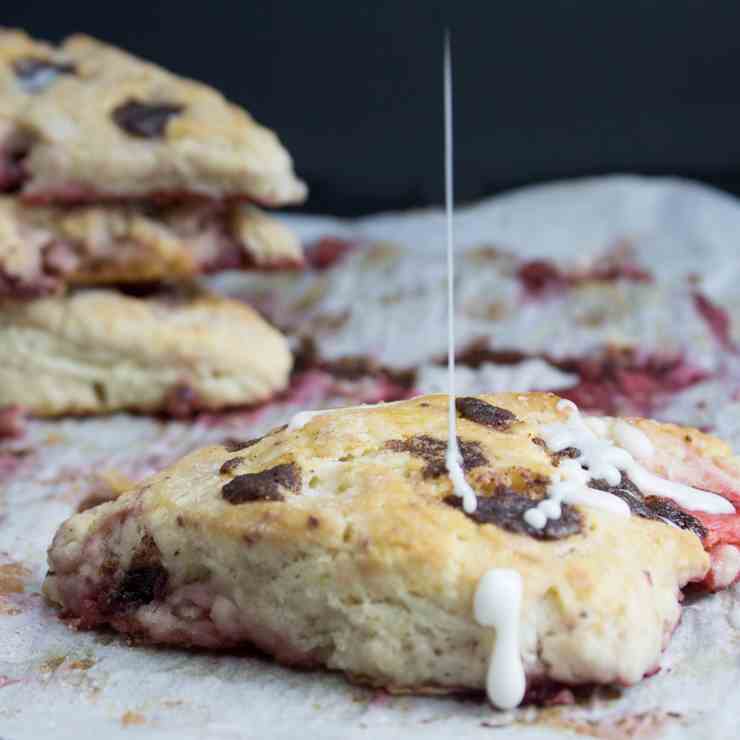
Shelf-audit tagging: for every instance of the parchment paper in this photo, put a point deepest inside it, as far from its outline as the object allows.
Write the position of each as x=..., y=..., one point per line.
x=387, y=300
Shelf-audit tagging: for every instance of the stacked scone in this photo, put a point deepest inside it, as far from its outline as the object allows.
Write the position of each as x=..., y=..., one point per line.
x=116, y=176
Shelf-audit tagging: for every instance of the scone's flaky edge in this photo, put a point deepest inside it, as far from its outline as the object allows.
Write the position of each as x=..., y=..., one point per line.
x=44, y=249
x=98, y=351
x=360, y=564
x=76, y=115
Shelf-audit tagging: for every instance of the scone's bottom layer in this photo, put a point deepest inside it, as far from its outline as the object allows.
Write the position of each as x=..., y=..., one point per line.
x=335, y=543
x=99, y=351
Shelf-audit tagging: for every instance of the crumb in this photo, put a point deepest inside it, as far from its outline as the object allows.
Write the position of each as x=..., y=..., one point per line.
x=132, y=718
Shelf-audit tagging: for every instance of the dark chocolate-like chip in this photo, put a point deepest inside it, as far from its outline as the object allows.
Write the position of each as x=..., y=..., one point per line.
x=433, y=452
x=480, y=412
x=651, y=507
x=506, y=509
x=139, y=586
x=36, y=74
x=667, y=509
x=556, y=457
x=263, y=486
x=230, y=465
x=571, y=452
x=236, y=445
x=145, y=120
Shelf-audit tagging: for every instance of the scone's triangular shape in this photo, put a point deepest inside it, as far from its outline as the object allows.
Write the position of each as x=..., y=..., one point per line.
x=336, y=541
x=86, y=121
x=44, y=249
x=99, y=351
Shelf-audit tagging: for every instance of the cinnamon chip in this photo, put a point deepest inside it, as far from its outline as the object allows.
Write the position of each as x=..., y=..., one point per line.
x=433, y=452
x=484, y=413
x=263, y=486
x=506, y=508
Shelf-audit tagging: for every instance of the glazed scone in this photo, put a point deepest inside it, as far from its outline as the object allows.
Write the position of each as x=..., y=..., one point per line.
x=336, y=541
x=44, y=249
x=99, y=351
x=89, y=121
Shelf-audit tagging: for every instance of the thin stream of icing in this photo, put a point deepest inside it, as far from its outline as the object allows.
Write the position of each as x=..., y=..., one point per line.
x=460, y=486
x=498, y=596
x=606, y=450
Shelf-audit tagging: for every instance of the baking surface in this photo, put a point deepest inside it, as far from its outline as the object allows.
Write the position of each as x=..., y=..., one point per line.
x=646, y=266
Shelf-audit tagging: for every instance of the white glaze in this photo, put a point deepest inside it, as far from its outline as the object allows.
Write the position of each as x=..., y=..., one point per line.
x=634, y=440
x=497, y=604
x=608, y=449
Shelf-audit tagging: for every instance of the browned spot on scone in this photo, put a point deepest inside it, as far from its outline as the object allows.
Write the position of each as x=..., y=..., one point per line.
x=506, y=509
x=263, y=486
x=517, y=478
x=651, y=507
x=145, y=120
x=313, y=522
x=95, y=499
x=35, y=73
x=433, y=452
x=481, y=412
x=230, y=465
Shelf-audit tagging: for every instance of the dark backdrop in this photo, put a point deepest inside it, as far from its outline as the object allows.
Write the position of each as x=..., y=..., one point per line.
x=544, y=89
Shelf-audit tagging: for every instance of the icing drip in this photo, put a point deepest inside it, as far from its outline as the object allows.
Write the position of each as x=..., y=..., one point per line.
x=608, y=449
x=453, y=457
x=497, y=604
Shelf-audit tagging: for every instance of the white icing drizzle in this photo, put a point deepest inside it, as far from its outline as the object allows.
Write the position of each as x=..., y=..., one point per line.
x=634, y=440
x=497, y=604
x=460, y=486
x=607, y=449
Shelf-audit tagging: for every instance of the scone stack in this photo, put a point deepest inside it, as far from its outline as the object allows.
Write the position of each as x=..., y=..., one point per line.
x=116, y=176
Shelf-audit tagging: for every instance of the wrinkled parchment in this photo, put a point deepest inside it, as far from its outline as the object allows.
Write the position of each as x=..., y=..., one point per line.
x=386, y=299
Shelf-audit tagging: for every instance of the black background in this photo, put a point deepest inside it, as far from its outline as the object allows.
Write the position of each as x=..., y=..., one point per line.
x=543, y=89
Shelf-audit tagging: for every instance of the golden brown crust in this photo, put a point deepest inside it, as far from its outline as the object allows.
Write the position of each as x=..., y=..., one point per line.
x=43, y=249
x=366, y=568
x=98, y=351
x=82, y=140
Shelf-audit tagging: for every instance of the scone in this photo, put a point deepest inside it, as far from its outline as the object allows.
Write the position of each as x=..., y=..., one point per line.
x=86, y=121
x=337, y=541
x=44, y=249
x=98, y=351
